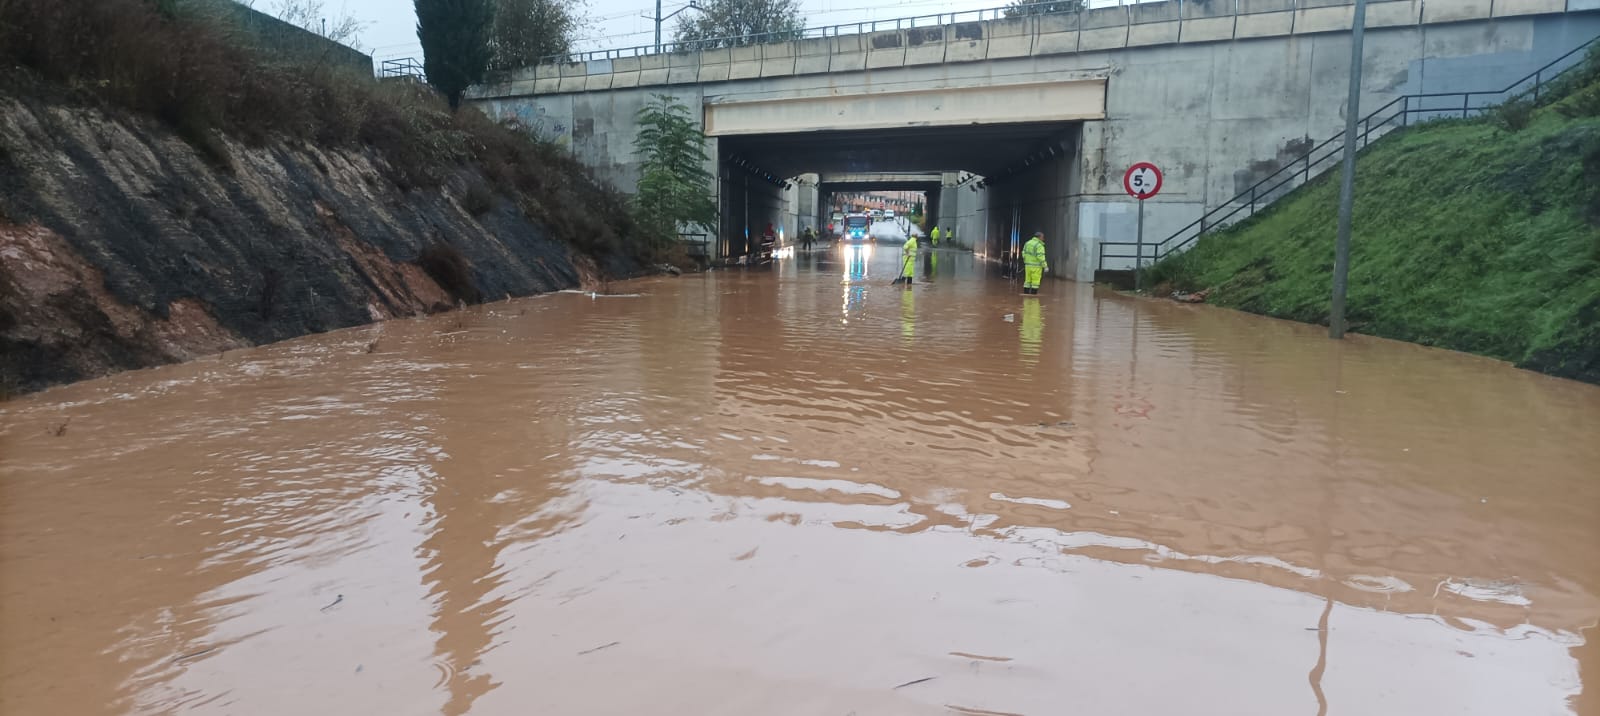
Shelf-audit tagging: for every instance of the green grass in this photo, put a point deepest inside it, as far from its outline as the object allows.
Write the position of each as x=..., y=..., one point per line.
x=1466, y=236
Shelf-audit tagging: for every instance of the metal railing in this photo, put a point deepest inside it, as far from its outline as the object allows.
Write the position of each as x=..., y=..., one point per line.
x=1211, y=8
x=401, y=67
x=696, y=244
x=1399, y=112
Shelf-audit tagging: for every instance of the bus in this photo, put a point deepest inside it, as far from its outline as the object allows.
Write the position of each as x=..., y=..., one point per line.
x=857, y=227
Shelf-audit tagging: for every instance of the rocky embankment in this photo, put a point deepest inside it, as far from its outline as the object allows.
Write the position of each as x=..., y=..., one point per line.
x=122, y=245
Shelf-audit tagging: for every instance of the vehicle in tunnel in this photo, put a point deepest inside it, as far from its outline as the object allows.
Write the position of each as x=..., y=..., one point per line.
x=857, y=227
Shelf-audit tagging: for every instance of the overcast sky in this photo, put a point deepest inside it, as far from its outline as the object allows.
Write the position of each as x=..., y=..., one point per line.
x=391, y=25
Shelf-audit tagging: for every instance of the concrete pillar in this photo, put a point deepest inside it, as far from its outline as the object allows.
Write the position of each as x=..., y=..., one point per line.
x=949, y=202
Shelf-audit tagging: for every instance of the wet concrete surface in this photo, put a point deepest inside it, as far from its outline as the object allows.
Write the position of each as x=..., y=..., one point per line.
x=804, y=491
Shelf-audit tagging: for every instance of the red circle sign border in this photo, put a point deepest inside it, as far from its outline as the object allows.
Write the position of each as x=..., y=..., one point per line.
x=1129, y=174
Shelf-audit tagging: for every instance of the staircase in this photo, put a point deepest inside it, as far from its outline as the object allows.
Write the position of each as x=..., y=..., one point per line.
x=1400, y=112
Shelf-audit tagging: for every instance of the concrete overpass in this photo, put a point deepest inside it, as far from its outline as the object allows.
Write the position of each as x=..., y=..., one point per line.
x=1048, y=109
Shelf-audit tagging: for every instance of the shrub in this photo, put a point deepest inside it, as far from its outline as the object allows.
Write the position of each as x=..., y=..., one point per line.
x=1513, y=115
x=185, y=63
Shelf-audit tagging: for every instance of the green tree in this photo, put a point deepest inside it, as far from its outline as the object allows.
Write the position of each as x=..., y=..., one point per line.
x=1020, y=8
x=455, y=43
x=728, y=23
x=526, y=31
x=674, y=185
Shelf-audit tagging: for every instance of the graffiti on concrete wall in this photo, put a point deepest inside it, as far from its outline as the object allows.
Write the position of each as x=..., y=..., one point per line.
x=542, y=122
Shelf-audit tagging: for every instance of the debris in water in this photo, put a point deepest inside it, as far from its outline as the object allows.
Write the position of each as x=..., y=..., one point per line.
x=602, y=646
x=373, y=346
x=335, y=601
x=61, y=429
x=1010, y=318
x=914, y=682
x=193, y=654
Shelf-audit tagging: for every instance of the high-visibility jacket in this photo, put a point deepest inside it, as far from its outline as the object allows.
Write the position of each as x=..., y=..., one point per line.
x=935, y=236
x=1033, y=254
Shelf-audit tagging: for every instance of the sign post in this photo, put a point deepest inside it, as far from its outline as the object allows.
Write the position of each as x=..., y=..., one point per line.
x=1141, y=181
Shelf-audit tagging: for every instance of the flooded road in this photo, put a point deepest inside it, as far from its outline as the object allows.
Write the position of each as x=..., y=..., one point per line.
x=804, y=491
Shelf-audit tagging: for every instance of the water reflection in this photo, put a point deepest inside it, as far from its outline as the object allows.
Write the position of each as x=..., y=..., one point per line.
x=725, y=496
x=1032, y=329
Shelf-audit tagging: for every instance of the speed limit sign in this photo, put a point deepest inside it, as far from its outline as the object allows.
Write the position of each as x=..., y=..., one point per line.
x=1142, y=180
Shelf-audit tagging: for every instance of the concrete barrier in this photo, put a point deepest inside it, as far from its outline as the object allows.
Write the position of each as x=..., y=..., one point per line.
x=1394, y=14
x=1153, y=33
x=1094, y=30
x=1456, y=10
x=1336, y=18
x=886, y=49
x=1106, y=38
x=1208, y=29
x=1265, y=24
x=1506, y=8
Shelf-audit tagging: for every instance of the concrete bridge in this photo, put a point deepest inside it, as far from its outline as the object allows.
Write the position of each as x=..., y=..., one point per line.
x=1048, y=110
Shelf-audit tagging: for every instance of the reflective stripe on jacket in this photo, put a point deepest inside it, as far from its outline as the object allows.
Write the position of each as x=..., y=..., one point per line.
x=1033, y=253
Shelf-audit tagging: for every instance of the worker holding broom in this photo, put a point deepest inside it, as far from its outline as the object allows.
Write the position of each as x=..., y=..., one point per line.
x=908, y=261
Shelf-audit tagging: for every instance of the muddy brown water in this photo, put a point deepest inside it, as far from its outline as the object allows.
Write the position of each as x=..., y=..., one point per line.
x=806, y=492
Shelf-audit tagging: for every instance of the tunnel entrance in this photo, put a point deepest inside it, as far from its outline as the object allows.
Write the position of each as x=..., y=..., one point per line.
x=989, y=184
x=1002, y=154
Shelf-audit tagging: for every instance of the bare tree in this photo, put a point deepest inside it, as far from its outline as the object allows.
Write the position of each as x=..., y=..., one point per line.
x=312, y=15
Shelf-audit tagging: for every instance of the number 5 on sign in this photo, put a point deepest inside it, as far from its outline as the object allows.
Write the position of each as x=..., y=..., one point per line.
x=1142, y=181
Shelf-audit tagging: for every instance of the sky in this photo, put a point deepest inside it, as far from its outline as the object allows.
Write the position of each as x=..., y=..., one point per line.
x=390, y=30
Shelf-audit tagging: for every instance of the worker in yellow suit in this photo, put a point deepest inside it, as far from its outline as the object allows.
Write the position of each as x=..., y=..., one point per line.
x=1034, y=263
x=908, y=261
x=935, y=237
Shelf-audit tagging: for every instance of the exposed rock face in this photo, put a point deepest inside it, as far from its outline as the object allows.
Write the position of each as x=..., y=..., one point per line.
x=122, y=246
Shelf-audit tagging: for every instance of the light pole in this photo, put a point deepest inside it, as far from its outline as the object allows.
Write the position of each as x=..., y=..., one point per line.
x=1347, y=184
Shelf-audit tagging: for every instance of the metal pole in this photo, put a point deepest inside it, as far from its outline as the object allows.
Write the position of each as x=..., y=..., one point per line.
x=1138, y=260
x=658, y=27
x=1347, y=186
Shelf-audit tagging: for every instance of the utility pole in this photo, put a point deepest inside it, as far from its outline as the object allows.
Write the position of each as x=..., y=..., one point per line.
x=1347, y=184
x=658, y=18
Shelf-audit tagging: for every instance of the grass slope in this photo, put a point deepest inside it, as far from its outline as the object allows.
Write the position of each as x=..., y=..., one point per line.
x=1467, y=235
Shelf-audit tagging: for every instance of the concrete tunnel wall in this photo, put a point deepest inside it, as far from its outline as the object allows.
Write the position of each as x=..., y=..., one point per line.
x=747, y=204
x=1216, y=116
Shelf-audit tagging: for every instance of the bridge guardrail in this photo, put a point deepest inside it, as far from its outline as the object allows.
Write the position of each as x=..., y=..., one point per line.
x=1134, y=11
x=1399, y=112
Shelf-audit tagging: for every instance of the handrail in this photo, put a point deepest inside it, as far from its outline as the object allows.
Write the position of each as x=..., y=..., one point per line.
x=1255, y=197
